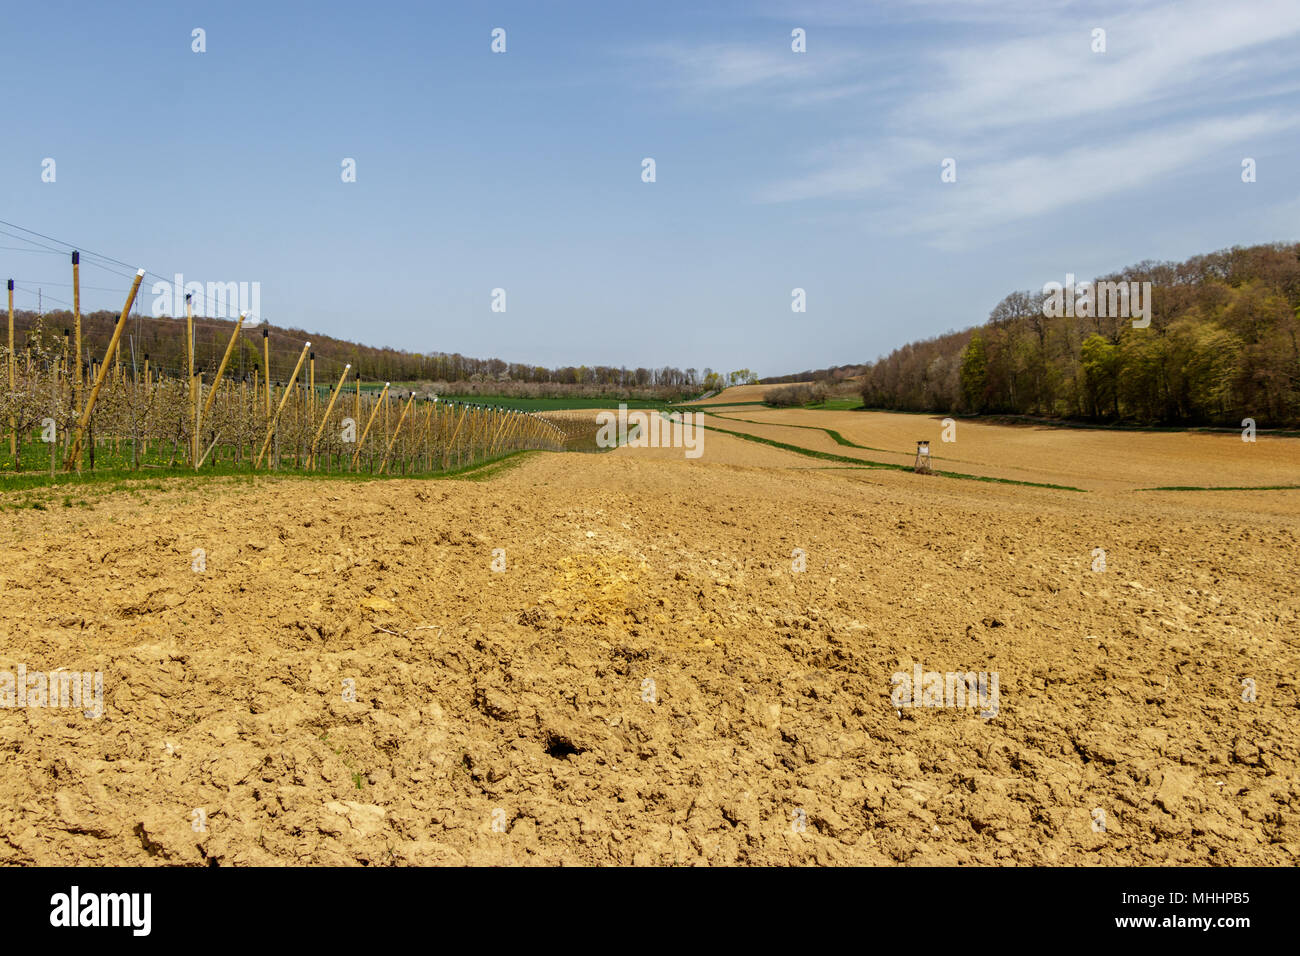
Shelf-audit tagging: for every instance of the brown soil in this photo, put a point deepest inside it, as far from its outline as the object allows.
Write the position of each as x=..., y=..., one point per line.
x=503, y=717
x=743, y=393
x=1098, y=459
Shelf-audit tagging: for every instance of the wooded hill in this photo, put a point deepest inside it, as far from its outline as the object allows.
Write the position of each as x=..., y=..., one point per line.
x=1223, y=345
x=163, y=340
x=832, y=375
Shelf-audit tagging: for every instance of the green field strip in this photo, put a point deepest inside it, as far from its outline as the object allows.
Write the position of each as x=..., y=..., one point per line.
x=689, y=407
x=835, y=436
x=107, y=481
x=1223, y=488
x=865, y=463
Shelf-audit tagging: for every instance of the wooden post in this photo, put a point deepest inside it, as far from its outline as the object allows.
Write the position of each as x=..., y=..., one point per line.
x=216, y=382
x=194, y=394
x=13, y=385
x=74, y=454
x=270, y=426
x=253, y=410
x=507, y=430
x=76, y=312
x=144, y=441
x=54, y=439
x=356, y=455
x=356, y=407
x=428, y=417
x=460, y=421
x=266, y=360
x=393, y=440
x=311, y=457
x=496, y=435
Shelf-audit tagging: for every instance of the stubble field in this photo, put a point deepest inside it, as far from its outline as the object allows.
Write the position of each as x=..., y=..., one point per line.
x=649, y=680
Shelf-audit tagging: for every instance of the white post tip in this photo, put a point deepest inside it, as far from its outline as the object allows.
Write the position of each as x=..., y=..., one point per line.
x=140, y=273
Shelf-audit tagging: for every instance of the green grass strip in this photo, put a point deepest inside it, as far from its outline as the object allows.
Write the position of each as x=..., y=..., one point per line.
x=688, y=408
x=835, y=436
x=835, y=405
x=1224, y=488
x=864, y=463
x=125, y=480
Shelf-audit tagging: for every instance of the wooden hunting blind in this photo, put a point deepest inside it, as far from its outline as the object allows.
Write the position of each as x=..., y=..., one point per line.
x=922, y=465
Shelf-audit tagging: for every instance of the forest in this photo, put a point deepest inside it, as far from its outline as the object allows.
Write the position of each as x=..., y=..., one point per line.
x=162, y=341
x=1222, y=345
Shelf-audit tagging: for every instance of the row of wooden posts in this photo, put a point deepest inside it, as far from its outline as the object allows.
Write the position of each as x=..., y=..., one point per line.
x=447, y=434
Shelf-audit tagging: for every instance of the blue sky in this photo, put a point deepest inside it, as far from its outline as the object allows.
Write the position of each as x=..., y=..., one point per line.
x=522, y=170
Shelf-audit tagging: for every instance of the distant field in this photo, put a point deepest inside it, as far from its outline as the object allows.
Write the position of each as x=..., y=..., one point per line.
x=724, y=404
x=738, y=394
x=838, y=404
x=376, y=386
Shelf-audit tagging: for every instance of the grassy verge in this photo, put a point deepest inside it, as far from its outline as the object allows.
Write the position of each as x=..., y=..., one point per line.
x=836, y=405
x=1224, y=488
x=107, y=482
x=688, y=408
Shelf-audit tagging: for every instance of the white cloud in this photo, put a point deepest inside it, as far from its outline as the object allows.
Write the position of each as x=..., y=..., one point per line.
x=718, y=74
x=853, y=170
x=996, y=189
x=1046, y=123
x=1159, y=55
x=719, y=66
x=1035, y=185
x=1035, y=119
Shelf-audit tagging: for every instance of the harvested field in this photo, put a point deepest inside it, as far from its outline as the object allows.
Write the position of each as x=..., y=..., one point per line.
x=739, y=393
x=1096, y=459
x=649, y=680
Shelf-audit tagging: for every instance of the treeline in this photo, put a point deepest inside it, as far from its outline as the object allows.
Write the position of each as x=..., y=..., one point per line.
x=163, y=341
x=514, y=389
x=1223, y=344
x=834, y=374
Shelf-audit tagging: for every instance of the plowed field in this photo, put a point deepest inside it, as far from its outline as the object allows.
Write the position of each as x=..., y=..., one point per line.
x=637, y=658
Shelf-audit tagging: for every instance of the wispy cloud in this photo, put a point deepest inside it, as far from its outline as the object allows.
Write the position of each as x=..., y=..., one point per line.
x=1036, y=120
x=722, y=74
x=721, y=67
x=1048, y=123
x=995, y=190
x=1155, y=58
x=1030, y=186
x=853, y=169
